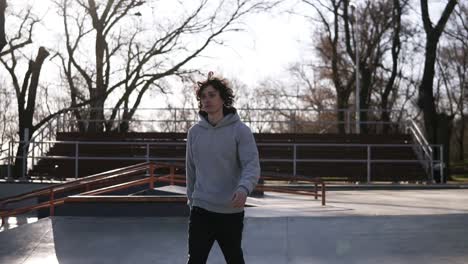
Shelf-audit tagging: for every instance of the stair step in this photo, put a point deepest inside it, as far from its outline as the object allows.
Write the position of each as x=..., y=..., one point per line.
x=66, y=168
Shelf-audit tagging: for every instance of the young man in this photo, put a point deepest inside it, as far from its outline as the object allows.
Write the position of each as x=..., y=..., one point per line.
x=222, y=169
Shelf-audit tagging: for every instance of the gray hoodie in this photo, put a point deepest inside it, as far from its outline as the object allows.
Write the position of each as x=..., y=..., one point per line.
x=220, y=160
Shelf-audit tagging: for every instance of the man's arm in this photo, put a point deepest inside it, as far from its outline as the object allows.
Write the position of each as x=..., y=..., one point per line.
x=249, y=161
x=189, y=170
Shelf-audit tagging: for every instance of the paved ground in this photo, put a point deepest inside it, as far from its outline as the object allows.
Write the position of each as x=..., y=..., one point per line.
x=424, y=226
x=368, y=203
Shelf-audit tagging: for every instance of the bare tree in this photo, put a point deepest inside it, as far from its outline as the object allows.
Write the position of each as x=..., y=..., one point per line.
x=26, y=99
x=7, y=118
x=436, y=124
x=374, y=20
x=126, y=63
x=18, y=40
x=378, y=25
x=451, y=71
x=337, y=68
x=460, y=27
x=311, y=93
x=26, y=91
x=397, y=11
x=3, y=94
x=315, y=97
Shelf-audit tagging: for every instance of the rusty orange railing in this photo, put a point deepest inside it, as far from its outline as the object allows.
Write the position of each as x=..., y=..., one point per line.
x=90, y=184
x=93, y=186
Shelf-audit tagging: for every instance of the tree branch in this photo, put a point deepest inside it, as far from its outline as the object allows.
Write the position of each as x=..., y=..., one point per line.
x=427, y=23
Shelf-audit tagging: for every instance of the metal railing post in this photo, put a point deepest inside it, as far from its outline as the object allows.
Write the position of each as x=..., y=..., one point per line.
x=49, y=134
x=32, y=155
x=295, y=121
x=25, y=154
x=348, y=120
x=316, y=190
x=294, y=164
x=172, y=172
x=368, y=163
x=40, y=144
x=441, y=163
x=151, y=171
x=290, y=123
x=51, y=202
x=147, y=152
x=75, y=126
x=430, y=164
x=76, y=160
x=10, y=156
x=58, y=123
x=175, y=120
x=323, y=194
x=119, y=118
x=63, y=121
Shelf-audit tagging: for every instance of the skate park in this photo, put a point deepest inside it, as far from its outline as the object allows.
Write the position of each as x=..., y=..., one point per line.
x=388, y=226
x=114, y=208
x=357, y=110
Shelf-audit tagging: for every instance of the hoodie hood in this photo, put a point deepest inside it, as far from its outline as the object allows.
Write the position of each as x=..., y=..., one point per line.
x=230, y=117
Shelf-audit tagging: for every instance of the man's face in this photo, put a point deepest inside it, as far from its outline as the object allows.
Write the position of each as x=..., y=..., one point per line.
x=211, y=100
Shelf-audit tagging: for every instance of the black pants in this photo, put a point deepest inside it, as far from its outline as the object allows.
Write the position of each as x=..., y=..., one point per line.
x=205, y=227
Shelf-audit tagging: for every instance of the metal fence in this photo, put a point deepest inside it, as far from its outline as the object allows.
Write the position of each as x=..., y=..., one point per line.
x=294, y=159
x=260, y=120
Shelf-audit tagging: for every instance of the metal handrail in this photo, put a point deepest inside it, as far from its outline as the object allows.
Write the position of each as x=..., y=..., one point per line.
x=38, y=135
x=294, y=159
x=86, y=181
x=423, y=149
x=254, y=121
x=258, y=144
x=418, y=134
x=273, y=125
x=246, y=108
x=173, y=120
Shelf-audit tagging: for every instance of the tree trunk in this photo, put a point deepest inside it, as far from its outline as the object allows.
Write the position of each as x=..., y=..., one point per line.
x=461, y=141
x=3, y=41
x=437, y=133
x=444, y=131
x=97, y=112
x=342, y=103
x=26, y=114
x=96, y=116
x=385, y=117
x=100, y=86
x=79, y=121
x=364, y=97
x=21, y=161
x=426, y=93
x=396, y=47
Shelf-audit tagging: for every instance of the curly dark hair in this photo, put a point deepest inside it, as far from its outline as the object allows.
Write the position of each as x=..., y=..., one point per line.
x=221, y=85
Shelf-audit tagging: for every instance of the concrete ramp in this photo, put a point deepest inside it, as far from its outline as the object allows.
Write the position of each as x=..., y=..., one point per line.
x=355, y=227
x=353, y=239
